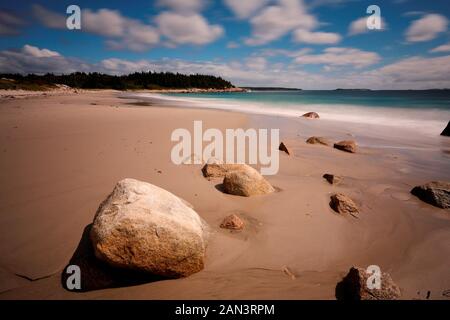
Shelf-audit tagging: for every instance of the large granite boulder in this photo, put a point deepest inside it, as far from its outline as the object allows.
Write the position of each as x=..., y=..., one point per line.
x=436, y=193
x=354, y=286
x=346, y=145
x=246, y=182
x=143, y=227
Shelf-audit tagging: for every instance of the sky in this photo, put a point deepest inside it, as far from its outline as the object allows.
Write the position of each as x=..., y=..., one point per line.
x=308, y=44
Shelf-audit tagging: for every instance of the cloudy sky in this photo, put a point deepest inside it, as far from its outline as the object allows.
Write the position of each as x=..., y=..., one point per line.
x=309, y=44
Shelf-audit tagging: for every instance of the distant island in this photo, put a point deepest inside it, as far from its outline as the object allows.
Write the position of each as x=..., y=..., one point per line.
x=133, y=81
x=270, y=89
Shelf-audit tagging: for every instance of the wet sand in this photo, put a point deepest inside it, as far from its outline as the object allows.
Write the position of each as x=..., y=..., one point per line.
x=62, y=155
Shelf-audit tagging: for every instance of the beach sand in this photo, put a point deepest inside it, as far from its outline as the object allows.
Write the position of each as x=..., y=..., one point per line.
x=62, y=154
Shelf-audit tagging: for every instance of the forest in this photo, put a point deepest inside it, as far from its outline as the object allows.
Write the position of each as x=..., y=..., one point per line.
x=133, y=81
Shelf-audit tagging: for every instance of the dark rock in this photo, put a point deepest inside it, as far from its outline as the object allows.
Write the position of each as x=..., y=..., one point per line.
x=343, y=205
x=283, y=147
x=311, y=115
x=346, y=145
x=354, y=287
x=436, y=193
x=332, y=179
x=446, y=131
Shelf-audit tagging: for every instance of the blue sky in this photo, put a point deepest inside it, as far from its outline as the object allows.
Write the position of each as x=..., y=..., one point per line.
x=311, y=44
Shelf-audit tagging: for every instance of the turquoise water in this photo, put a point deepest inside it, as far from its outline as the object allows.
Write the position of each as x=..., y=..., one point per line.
x=419, y=112
x=439, y=99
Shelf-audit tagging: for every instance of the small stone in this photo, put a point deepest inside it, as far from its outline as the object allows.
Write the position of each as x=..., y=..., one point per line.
x=346, y=145
x=283, y=147
x=232, y=222
x=343, y=205
x=333, y=179
x=311, y=115
x=318, y=140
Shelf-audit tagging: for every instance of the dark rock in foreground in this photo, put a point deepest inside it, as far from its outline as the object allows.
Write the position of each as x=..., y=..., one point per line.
x=283, y=147
x=354, y=286
x=436, y=193
x=446, y=131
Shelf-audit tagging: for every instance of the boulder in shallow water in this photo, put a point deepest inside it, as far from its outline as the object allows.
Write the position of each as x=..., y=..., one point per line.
x=343, y=205
x=311, y=115
x=146, y=228
x=355, y=286
x=436, y=193
x=446, y=131
x=318, y=140
x=283, y=147
x=246, y=182
x=346, y=145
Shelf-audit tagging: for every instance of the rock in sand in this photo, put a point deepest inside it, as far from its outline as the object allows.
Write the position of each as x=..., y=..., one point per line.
x=146, y=228
x=283, y=147
x=446, y=131
x=232, y=222
x=246, y=182
x=343, y=205
x=436, y=193
x=354, y=286
x=346, y=145
x=332, y=178
x=318, y=140
x=219, y=170
x=311, y=115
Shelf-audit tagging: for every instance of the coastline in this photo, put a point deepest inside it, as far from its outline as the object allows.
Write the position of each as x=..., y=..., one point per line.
x=63, y=153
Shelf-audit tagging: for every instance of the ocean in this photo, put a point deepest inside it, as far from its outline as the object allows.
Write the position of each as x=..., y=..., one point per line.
x=425, y=111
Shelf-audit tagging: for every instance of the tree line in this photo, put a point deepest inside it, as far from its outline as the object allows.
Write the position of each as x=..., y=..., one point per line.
x=137, y=80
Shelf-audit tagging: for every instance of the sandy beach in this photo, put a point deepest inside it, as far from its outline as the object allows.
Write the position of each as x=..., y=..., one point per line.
x=62, y=154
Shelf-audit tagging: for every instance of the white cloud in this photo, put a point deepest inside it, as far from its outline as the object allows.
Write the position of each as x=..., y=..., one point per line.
x=305, y=36
x=411, y=73
x=442, y=48
x=187, y=28
x=39, y=53
x=182, y=5
x=335, y=56
x=277, y=20
x=104, y=22
x=10, y=23
x=31, y=59
x=256, y=63
x=418, y=71
x=49, y=18
x=232, y=45
x=245, y=8
x=426, y=28
x=359, y=26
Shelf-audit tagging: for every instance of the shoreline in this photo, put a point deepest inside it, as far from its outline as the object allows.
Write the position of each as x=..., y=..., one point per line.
x=64, y=153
